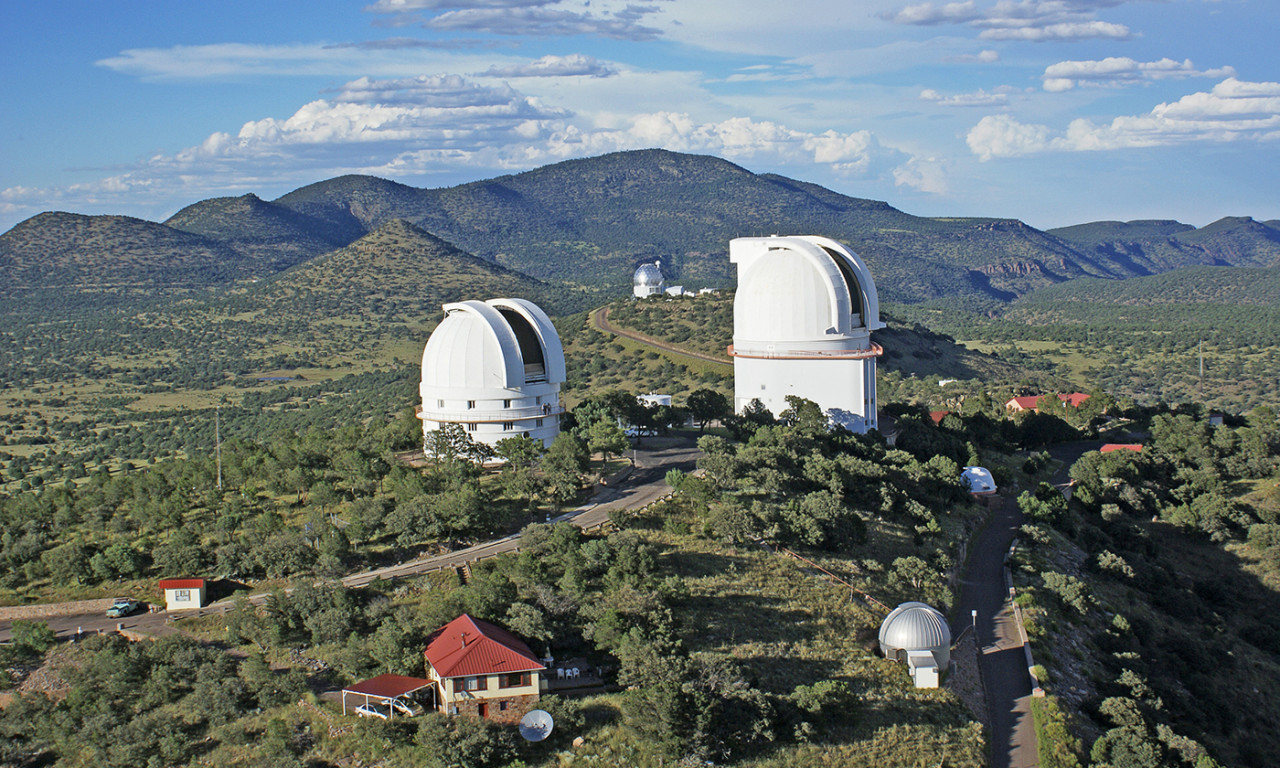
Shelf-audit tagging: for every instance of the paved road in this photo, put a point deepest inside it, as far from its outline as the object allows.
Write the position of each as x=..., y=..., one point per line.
x=1003, y=664
x=654, y=458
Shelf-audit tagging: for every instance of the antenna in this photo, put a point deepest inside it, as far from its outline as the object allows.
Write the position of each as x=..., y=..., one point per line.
x=536, y=725
x=217, y=440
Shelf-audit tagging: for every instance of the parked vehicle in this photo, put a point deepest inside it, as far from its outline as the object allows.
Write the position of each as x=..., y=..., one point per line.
x=406, y=707
x=122, y=606
x=634, y=431
x=372, y=710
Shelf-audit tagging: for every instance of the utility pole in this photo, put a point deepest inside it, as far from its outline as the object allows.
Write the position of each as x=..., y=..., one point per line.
x=217, y=440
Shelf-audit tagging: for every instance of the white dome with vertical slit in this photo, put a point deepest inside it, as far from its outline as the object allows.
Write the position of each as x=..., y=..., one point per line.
x=496, y=368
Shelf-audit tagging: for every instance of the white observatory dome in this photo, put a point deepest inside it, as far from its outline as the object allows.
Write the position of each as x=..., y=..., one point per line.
x=496, y=368
x=801, y=293
x=648, y=280
x=916, y=627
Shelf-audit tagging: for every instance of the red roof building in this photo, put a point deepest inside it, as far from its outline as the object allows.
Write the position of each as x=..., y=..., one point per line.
x=1027, y=403
x=938, y=416
x=482, y=669
x=182, y=594
x=1074, y=399
x=1109, y=447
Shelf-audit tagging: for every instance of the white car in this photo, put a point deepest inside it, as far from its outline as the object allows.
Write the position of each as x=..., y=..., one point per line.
x=639, y=432
x=372, y=710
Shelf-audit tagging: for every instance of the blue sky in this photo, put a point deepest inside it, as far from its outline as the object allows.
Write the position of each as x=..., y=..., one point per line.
x=1052, y=111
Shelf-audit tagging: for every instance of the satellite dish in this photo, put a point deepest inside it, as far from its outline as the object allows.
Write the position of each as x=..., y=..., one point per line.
x=536, y=725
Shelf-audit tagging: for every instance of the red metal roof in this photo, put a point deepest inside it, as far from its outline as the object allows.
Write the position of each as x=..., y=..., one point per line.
x=1109, y=447
x=388, y=686
x=467, y=646
x=182, y=583
x=938, y=416
x=1026, y=403
x=1074, y=399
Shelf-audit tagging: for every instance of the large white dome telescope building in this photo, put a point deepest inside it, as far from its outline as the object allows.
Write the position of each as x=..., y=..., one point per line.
x=802, y=323
x=495, y=367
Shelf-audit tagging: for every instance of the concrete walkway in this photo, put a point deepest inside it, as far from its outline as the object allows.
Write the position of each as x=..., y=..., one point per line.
x=1003, y=664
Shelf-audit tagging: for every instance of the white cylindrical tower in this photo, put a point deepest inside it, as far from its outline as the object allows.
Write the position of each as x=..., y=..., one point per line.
x=802, y=322
x=495, y=368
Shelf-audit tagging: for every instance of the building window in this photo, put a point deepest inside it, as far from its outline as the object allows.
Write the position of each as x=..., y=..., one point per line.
x=538, y=423
x=471, y=404
x=539, y=400
x=439, y=403
x=513, y=680
x=475, y=684
x=471, y=426
x=507, y=426
x=506, y=403
x=182, y=595
x=502, y=706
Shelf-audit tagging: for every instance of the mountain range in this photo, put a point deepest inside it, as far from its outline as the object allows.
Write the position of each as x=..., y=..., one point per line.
x=585, y=224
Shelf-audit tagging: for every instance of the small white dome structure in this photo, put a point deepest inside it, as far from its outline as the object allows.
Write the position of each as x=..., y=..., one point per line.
x=918, y=634
x=978, y=480
x=648, y=280
x=802, y=322
x=496, y=368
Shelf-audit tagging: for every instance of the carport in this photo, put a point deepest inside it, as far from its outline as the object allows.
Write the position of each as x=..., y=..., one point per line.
x=383, y=688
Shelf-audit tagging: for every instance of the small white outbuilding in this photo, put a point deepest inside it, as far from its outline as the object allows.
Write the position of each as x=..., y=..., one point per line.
x=183, y=594
x=918, y=634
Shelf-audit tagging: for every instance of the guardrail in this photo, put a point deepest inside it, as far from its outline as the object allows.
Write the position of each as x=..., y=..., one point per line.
x=1036, y=689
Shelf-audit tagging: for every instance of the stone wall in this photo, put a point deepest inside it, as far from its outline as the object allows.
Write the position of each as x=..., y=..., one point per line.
x=47, y=610
x=517, y=707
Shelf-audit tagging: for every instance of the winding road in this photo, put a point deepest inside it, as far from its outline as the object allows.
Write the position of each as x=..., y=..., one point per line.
x=645, y=485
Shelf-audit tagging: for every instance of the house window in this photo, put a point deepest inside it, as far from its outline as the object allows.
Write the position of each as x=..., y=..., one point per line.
x=502, y=706
x=471, y=426
x=182, y=595
x=471, y=404
x=513, y=680
x=475, y=684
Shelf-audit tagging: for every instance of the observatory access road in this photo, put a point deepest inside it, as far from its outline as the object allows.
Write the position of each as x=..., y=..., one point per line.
x=601, y=319
x=1002, y=662
x=645, y=485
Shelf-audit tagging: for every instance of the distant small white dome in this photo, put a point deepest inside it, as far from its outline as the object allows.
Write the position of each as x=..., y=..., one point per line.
x=916, y=626
x=648, y=275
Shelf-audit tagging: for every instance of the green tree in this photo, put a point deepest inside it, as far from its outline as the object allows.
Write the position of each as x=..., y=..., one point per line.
x=706, y=406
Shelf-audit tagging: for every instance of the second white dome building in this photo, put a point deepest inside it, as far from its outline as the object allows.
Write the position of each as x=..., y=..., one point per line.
x=496, y=368
x=802, y=323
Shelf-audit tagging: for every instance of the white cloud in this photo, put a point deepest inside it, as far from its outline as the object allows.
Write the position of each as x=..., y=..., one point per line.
x=1028, y=20
x=983, y=57
x=1120, y=70
x=573, y=65
x=1233, y=111
x=978, y=98
x=927, y=175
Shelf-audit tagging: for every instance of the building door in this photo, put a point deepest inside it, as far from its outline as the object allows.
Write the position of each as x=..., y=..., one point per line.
x=483, y=709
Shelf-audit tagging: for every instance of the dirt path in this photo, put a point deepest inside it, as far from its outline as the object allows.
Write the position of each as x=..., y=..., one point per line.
x=601, y=320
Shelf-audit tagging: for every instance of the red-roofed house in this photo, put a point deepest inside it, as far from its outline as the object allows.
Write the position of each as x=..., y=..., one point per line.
x=1074, y=399
x=938, y=416
x=182, y=594
x=1109, y=447
x=1027, y=403
x=482, y=669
